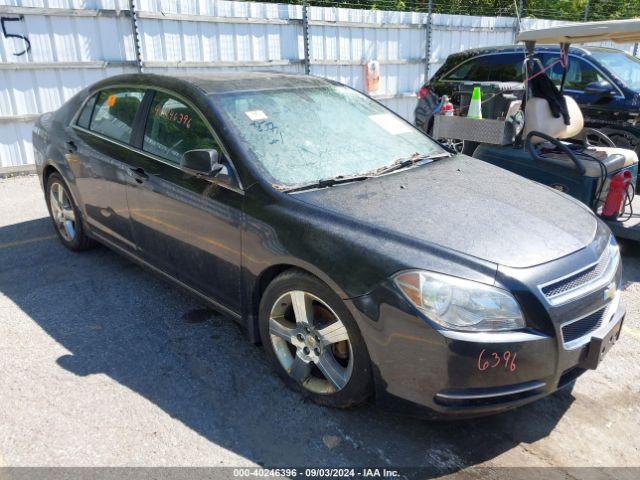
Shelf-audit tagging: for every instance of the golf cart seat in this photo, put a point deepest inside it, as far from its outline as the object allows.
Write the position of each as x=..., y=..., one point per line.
x=543, y=132
x=538, y=118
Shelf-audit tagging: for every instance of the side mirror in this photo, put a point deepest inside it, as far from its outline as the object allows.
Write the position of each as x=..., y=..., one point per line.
x=204, y=163
x=602, y=88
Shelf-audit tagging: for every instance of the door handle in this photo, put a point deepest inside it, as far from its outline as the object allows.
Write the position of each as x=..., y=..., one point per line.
x=71, y=146
x=138, y=174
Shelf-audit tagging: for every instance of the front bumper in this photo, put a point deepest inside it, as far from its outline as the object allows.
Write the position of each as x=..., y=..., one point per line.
x=420, y=370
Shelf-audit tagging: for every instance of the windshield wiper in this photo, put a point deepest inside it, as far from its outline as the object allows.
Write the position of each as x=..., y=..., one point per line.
x=401, y=163
x=396, y=165
x=327, y=182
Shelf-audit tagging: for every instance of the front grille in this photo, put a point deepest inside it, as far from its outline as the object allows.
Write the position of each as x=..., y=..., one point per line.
x=580, y=328
x=577, y=280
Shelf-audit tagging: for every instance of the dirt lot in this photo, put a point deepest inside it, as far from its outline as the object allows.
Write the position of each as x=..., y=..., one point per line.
x=103, y=364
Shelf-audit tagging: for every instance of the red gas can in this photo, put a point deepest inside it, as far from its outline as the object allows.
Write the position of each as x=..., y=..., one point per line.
x=617, y=196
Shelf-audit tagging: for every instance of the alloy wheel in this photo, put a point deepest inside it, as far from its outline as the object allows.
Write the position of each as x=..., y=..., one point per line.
x=311, y=342
x=62, y=211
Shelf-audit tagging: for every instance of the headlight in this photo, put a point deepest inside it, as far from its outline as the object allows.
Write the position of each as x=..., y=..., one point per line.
x=460, y=304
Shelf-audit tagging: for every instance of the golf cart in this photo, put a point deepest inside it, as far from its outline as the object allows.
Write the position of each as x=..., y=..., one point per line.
x=542, y=137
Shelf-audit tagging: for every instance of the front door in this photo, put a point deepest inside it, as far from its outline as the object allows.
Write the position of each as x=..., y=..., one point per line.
x=598, y=110
x=187, y=226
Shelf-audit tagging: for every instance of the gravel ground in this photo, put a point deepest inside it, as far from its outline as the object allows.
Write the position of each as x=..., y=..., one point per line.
x=103, y=364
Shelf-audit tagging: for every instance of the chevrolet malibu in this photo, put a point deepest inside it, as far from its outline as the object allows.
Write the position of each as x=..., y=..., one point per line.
x=369, y=261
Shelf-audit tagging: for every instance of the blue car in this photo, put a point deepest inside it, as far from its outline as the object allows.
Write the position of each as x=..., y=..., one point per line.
x=604, y=81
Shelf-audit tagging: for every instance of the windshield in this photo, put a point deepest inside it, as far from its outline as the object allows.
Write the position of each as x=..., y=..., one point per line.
x=622, y=65
x=300, y=136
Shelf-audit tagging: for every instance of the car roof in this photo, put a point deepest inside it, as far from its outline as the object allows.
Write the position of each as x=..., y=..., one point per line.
x=520, y=48
x=223, y=82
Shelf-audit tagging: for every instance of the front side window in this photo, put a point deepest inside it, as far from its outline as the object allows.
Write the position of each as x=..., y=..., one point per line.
x=302, y=135
x=115, y=111
x=174, y=128
x=579, y=75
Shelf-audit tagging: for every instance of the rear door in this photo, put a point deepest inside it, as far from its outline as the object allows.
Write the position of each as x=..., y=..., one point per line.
x=99, y=152
x=189, y=227
x=476, y=69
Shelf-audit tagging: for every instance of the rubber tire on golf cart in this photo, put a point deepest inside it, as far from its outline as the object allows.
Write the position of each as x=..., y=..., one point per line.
x=80, y=240
x=359, y=387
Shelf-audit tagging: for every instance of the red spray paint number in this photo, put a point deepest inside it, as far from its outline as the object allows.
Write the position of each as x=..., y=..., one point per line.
x=506, y=360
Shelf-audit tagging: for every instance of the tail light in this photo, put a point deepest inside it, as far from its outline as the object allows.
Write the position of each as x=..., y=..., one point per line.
x=424, y=91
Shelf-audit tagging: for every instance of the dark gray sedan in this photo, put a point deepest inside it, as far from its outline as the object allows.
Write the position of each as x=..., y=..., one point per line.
x=368, y=260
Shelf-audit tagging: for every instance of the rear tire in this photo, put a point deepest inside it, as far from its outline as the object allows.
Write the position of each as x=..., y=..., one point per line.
x=65, y=215
x=313, y=342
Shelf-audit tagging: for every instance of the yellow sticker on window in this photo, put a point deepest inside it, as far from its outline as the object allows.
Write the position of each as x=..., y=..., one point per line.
x=111, y=101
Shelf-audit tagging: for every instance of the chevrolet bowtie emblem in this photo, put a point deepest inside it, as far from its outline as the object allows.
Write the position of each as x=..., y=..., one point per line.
x=610, y=291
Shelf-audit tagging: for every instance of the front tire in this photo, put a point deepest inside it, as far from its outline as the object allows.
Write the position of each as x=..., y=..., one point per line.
x=313, y=342
x=65, y=215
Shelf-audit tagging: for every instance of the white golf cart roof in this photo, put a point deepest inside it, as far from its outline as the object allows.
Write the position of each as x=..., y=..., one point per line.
x=618, y=31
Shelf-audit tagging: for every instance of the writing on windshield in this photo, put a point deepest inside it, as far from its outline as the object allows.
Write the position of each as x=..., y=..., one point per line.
x=299, y=136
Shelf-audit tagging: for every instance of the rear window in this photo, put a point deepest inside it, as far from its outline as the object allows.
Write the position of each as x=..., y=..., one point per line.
x=476, y=69
x=85, y=116
x=115, y=111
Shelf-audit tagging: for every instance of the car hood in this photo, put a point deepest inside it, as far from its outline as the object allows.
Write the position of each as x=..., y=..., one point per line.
x=469, y=206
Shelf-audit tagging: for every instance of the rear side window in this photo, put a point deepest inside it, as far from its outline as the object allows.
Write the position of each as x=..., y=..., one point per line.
x=174, y=128
x=476, y=70
x=506, y=67
x=85, y=116
x=114, y=112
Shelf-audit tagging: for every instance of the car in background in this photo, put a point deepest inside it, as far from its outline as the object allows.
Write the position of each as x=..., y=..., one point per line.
x=605, y=83
x=367, y=260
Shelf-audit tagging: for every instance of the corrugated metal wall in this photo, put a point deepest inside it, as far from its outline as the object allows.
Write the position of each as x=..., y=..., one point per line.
x=454, y=33
x=219, y=34
x=73, y=43
x=342, y=40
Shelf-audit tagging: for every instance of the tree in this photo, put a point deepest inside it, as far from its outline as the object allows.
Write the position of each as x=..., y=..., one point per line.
x=573, y=10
